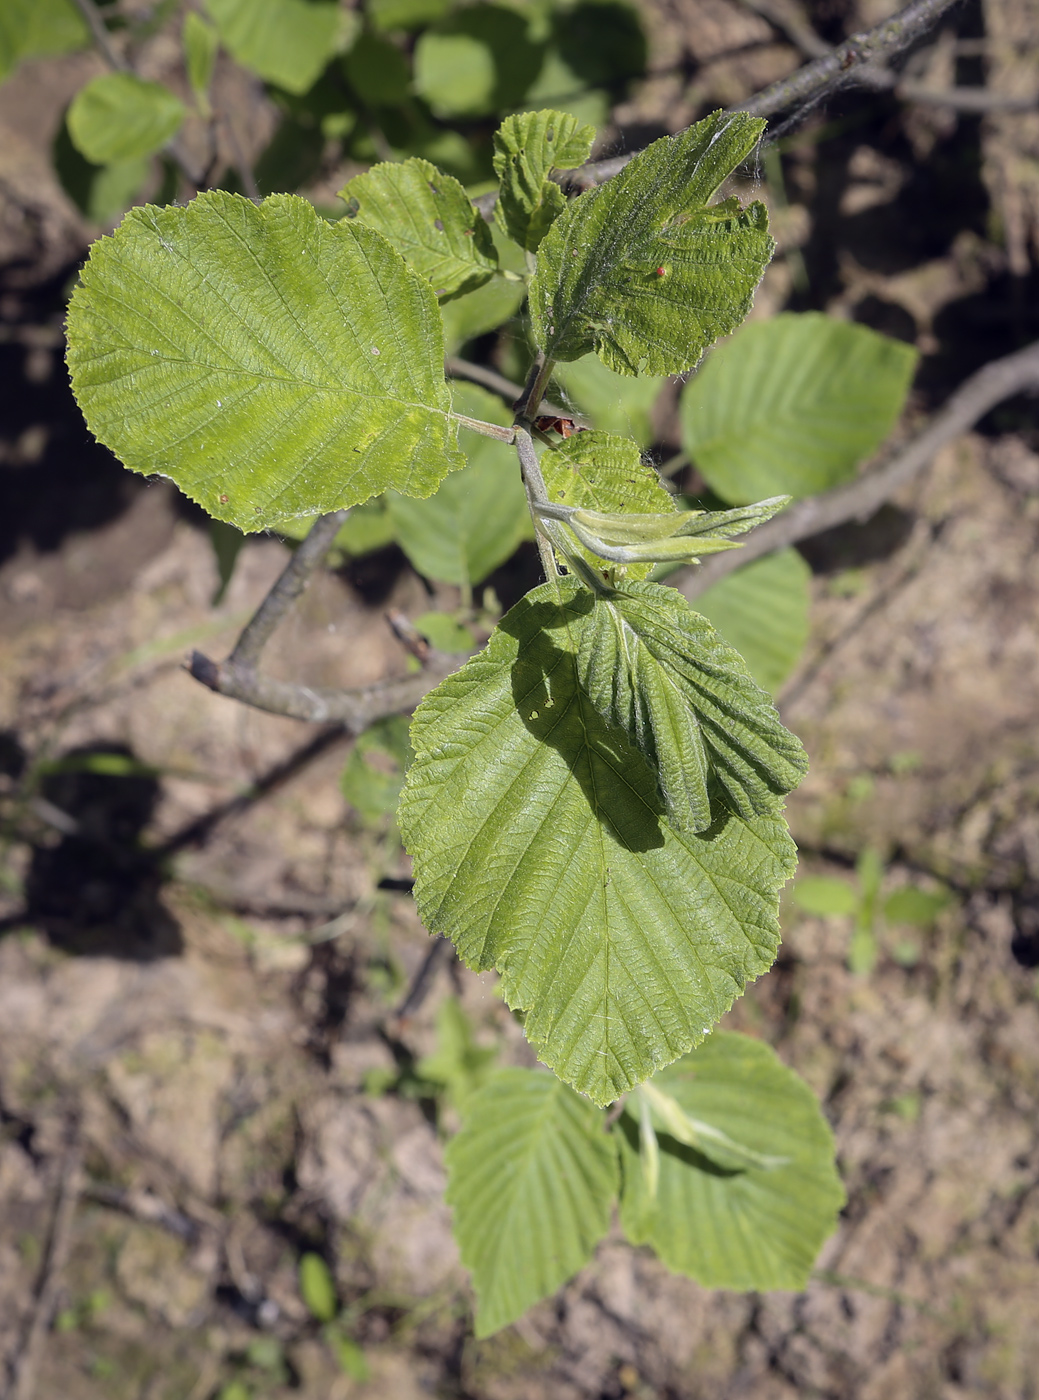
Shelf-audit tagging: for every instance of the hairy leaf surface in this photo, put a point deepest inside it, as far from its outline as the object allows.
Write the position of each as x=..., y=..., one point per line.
x=273, y=365
x=119, y=117
x=287, y=42
x=605, y=473
x=658, y=670
x=527, y=148
x=642, y=270
x=793, y=405
x=726, y=1227
x=762, y=611
x=541, y=846
x=429, y=218
x=532, y=1177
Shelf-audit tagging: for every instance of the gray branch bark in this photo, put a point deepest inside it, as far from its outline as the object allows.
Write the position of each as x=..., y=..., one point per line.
x=860, y=499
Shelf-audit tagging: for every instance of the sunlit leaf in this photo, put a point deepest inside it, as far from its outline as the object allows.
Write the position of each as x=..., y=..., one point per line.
x=824, y=895
x=643, y=270
x=793, y=405
x=527, y=148
x=541, y=846
x=429, y=218
x=317, y=1287
x=531, y=1177
x=479, y=60
x=119, y=117
x=201, y=43
x=726, y=1225
x=273, y=365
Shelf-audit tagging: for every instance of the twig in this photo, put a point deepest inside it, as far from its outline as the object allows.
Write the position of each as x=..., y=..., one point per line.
x=99, y=33
x=457, y=368
x=293, y=581
x=24, y=1366
x=999, y=380
x=790, y=21
x=966, y=99
x=423, y=979
x=873, y=47
x=811, y=83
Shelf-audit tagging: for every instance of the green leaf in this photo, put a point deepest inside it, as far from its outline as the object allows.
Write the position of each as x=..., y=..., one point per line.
x=378, y=71
x=539, y=845
x=317, y=1287
x=273, y=365
x=458, y=1063
x=429, y=218
x=374, y=773
x=616, y=403
x=480, y=60
x=642, y=270
x=724, y=1224
x=366, y=528
x=201, y=43
x=445, y=632
x=605, y=473
x=479, y=516
x=531, y=1177
x=823, y=895
x=911, y=905
x=406, y=14
x=657, y=670
x=287, y=42
x=119, y=117
x=351, y=1358
x=762, y=611
x=101, y=192
x=527, y=148
x=485, y=309
x=793, y=405
x=32, y=28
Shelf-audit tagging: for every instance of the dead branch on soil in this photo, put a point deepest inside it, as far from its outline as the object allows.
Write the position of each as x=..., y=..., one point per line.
x=239, y=677
x=999, y=380
x=25, y=1364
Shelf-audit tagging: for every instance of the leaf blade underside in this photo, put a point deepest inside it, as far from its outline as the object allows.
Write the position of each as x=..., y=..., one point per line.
x=531, y=1180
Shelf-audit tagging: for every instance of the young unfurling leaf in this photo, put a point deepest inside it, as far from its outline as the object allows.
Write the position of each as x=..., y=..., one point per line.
x=644, y=270
x=527, y=148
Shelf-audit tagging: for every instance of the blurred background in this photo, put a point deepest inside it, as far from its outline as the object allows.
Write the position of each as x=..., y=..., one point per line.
x=220, y=1138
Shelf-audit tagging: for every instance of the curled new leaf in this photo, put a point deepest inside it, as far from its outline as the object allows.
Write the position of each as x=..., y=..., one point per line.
x=527, y=148
x=644, y=270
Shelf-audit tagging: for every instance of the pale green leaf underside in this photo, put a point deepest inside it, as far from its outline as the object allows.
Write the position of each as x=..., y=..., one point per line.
x=429, y=218
x=641, y=270
x=541, y=848
x=479, y=515
x=762, y=611
x=531, y=1177
x=272, y=364
x=606, y=473
x=757, y=1228
x=29, y=28
x=793, y=405
x=119, y=117
x=527, y=147
x=287, y=42
x=659, y=671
